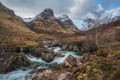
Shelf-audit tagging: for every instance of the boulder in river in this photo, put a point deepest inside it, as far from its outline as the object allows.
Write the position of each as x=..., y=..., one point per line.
x=45, y=54
x=47, y=57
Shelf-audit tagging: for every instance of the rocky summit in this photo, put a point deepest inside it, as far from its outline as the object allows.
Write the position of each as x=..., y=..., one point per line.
x=46, y=14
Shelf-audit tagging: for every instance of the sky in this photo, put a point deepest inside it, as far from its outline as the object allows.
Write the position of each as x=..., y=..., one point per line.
x=75, y=9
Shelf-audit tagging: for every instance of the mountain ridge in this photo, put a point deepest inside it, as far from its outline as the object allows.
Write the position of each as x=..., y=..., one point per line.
x=46, y=19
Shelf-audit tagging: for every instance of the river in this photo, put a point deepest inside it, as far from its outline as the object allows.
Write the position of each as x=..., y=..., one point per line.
x=24, y=74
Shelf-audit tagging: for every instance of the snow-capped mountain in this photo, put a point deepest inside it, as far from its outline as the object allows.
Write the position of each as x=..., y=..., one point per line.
x=46, y=14
x=92, y=18
x=95, y=18
x=100, y=16
x=81, y=24
x=109, y=16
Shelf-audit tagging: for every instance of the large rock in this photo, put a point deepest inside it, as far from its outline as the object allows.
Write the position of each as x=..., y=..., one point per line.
x=12, y=61
x=47, y=57
x=54, y=75
x=71, y=61
x=43, y=75
x=44, y=53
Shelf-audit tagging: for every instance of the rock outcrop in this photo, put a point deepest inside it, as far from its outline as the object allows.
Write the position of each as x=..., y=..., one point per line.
x=12, y=61
x=71, y=61
x=54, y=75
x=79, y=46
x=44, y=75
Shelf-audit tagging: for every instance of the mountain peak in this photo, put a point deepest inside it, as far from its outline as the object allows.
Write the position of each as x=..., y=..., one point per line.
x=48, y=10
x=46, y=14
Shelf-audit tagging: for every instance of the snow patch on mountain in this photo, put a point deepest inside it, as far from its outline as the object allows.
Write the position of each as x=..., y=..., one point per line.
x=110, y=16
x=101, y=16
x=28, y=19
x=82, y=25
x=63, y=18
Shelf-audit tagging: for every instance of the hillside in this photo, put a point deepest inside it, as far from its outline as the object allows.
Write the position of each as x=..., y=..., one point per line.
x=103, y=64
x=13, y=30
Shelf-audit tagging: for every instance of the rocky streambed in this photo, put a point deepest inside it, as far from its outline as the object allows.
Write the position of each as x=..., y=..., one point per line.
x=46, y=66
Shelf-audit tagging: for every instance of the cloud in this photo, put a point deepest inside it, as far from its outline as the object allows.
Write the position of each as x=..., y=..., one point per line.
x=74, y=8
x=81, y=7
x=25, y=8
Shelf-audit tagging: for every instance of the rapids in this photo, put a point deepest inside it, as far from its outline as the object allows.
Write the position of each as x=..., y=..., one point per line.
x=25, y=74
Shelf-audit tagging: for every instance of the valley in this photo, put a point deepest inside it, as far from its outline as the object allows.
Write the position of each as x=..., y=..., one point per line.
x=47, y=47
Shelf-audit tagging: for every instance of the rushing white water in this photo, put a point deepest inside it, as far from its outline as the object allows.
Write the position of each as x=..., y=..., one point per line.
x=16, y=75
x=57, y=59
x=24, y=75
x=57, y=49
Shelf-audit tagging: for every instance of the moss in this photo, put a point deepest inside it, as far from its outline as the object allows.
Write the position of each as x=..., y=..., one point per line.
x=116, y=76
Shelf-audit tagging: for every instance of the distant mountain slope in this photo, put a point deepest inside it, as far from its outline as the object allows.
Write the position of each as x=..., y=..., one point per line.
x=99, y=17
x=47, y=23
x=66, y=22
x=13, y=30
x=110, y=16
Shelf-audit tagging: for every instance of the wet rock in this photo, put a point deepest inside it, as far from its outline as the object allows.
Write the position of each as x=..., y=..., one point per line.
x=71, y=61
x=37, y=52
x=45, y=54
x=59, y=55
x=64, y=47
x=12, y=61
x=43, y=75
x=47, y=57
